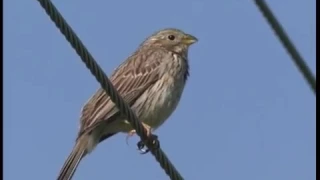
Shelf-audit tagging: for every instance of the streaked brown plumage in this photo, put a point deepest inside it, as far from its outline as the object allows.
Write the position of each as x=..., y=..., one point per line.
x=151, y=81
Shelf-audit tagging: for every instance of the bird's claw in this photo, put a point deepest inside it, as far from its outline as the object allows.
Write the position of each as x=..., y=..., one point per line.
x=141, y=147
x=152, y=140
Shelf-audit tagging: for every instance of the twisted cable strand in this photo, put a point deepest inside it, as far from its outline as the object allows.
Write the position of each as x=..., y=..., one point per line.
x=286, y=42
x=105, y=83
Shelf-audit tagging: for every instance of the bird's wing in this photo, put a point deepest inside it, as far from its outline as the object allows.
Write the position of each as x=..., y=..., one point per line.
x=130, y=79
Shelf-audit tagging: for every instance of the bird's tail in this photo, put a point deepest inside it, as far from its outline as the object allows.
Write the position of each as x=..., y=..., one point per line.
x=71, y=164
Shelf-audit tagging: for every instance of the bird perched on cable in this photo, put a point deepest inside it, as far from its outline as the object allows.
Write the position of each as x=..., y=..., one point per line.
x=151, y=81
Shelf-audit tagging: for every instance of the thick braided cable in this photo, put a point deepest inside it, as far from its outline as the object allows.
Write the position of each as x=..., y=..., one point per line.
x=284, y=39
x=105, y=83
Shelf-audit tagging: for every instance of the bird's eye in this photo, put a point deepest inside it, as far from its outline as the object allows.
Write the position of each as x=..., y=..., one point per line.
x=171, y=37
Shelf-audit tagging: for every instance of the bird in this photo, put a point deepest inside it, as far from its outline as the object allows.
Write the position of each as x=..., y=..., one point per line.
x=151, y=80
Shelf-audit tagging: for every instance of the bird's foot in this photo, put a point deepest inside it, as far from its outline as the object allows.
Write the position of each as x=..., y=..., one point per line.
x=130, y=134
x=152, y=140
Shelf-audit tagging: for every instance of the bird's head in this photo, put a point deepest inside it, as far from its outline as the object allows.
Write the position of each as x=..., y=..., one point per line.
x=171, y=39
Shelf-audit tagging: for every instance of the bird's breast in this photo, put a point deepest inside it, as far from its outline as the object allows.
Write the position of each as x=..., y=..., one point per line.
x=161, y=99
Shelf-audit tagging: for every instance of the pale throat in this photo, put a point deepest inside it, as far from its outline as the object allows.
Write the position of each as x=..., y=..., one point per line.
x=181, y=50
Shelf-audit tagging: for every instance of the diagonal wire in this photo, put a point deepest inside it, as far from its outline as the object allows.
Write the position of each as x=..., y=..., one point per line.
x=105, y=83
x=283, y=37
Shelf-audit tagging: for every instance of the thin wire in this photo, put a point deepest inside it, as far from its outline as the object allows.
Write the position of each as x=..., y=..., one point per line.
x=105, y=83
x=284, y=39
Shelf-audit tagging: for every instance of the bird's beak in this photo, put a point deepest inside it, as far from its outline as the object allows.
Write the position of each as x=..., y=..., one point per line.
x=189, y=39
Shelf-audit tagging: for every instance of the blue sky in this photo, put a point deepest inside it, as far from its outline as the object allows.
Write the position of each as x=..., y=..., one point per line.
x=246, y=112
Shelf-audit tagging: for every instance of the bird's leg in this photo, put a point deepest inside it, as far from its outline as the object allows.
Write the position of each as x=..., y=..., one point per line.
x=130, y=134
x=153, y=139
x=133, y=132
